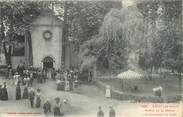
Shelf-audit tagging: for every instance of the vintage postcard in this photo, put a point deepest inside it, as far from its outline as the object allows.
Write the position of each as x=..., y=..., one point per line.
x=91, y=58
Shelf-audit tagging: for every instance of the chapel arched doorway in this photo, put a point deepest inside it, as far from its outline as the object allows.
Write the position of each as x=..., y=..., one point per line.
x=48, y=62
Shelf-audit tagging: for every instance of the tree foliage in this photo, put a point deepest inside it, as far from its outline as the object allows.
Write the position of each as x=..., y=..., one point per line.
x=166, y=43
x=117, y=35
x=84, y=19
x=16, y=18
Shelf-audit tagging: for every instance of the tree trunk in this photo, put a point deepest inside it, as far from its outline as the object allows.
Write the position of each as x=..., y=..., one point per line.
x=7, y=52
x=94, y=70
x=64, y=35
x=180, y=82
x=151, y=70
x=2, y=26
x=160, y=71
x=29, y=48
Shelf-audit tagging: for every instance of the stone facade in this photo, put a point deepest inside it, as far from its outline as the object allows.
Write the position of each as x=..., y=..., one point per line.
x=46, y=35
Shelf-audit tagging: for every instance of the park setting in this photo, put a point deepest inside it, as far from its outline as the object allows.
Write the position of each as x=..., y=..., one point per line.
x=95, y=58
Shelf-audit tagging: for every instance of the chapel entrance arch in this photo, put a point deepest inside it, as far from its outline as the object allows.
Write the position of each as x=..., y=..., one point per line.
x=48, y=62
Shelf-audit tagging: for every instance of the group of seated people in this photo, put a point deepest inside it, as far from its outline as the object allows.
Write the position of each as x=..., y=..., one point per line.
x=67, y=80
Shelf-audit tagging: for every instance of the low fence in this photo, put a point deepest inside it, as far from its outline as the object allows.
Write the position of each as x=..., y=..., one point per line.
x=115, y=94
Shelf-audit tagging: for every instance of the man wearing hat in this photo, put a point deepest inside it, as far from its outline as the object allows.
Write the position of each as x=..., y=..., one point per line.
x=31, y=96
x=47, y=106
x=111, y=112
x=100, y=113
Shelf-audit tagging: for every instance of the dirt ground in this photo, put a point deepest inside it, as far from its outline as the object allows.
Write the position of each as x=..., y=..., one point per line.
x=82, y=102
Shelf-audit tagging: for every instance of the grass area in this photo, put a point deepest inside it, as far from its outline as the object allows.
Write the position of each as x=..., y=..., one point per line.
x=170, y=85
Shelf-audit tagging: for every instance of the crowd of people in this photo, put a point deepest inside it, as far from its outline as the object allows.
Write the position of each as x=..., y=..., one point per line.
x=67, y=80
x=24, y=78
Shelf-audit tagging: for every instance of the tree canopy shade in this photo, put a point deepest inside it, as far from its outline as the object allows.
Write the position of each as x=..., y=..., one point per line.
x=113, y=43
x=85, y=17
x=16, y=18
x=150, y=29
x=105, y=34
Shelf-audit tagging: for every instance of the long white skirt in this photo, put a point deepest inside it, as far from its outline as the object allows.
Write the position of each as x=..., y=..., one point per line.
x=108, y=93
x=49, y=75
x=67, y=87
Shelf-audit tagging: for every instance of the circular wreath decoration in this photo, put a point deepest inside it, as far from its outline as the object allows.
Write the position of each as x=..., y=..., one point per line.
x=47, y=35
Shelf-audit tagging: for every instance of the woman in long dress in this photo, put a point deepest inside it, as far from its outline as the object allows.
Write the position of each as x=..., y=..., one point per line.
x=16, y=78
x=57, y=108
x=18, y=92
x=25, y=93
x=38, y=98
x=108, y=92
x=31, y=79
x=67, y=87
x=58, y=82
x=62, y=84
x=4, y=92
x=49, y=74
x=10, y=73
x=0, y=92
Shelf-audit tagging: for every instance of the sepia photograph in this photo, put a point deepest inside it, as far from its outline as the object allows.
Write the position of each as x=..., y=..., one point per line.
x=91, y=58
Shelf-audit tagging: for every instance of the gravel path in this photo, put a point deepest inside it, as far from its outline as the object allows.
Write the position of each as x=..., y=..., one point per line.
x=82, y=101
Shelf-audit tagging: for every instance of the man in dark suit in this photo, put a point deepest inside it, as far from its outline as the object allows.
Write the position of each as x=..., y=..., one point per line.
x=31, y=97
x=100, y=113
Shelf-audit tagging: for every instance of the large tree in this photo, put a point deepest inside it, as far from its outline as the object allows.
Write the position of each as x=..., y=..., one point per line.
x=16, y=18
x=113, y=46
x=84, y=18
x=164, y=35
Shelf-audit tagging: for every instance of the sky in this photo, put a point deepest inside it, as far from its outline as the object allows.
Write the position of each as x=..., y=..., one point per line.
x=127, y=3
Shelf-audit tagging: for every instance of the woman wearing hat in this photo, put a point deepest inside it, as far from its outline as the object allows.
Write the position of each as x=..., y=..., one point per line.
x=25, y=93
x=56, y=109
x=18, y=92
x=4, y=92
x=38, y=98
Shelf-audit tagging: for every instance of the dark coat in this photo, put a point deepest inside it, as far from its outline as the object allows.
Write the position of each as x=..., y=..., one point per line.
x=4, y=93
x=25, y=93
x=1, y=93
x=112, y=113
x=47, y=107
x=18, y=92
x=56, y=111
x=31, y=95
x=100, y=113
x=38, y=102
